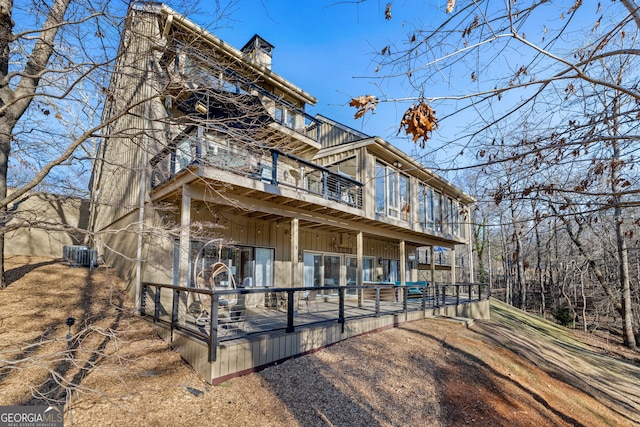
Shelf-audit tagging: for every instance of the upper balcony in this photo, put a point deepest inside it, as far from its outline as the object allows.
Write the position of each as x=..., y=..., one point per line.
x=205, y=89
x=259, y=163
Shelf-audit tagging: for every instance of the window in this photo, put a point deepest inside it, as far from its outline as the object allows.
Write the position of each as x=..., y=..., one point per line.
x=250, y=266
x=352, y=272
x=380, y=188
x=437, y=211
x=390, y=270
x=285, y=116
x=184, y=154
x=392, y=192
x=422, y=207
x=264, y=267
x=430, y=211
x=405, y=206
x=347, y=167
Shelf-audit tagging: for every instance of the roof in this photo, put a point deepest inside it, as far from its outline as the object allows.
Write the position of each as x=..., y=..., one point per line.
x=176, y=19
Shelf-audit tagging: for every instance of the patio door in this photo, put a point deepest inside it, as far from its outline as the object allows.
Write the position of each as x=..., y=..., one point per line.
x=352, y=272
x=331, y=272
x=312, y=270
x=322, y=270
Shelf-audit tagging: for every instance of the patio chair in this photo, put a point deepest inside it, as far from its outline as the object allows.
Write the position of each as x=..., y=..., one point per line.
x=309, y=297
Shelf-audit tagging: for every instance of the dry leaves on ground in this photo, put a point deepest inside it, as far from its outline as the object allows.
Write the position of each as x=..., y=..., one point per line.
x=430, y=372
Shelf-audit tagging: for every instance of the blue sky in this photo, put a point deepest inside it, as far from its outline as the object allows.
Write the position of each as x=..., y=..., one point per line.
x=326, y=48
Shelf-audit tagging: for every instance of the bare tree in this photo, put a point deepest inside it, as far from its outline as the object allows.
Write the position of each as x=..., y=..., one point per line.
x=537, y=66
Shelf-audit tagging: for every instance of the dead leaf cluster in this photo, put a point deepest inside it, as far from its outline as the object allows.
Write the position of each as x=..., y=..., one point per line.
x=364, y=103
x=419, y=121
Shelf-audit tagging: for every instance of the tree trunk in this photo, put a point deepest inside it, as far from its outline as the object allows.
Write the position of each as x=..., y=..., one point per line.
x=520, y=272
x=623, y=255
x=6, y=34
x=16, y=98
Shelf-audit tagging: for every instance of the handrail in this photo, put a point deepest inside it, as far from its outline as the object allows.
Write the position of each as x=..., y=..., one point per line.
x=274, y=167
x=430, y=296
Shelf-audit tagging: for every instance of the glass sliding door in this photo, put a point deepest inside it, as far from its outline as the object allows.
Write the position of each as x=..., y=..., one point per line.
x=352, y=272
x=264, y=267
x=331, y=272
x=312, y=275
x=250, y=266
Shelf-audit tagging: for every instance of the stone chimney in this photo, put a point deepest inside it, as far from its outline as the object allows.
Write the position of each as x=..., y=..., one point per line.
x=259, y=51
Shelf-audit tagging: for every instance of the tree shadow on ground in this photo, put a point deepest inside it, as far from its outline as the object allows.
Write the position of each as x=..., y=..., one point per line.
x=13, y=274
x=67, y=375
x=458, y=397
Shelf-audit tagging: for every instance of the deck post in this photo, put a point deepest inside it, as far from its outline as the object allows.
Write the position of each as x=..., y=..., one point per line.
x=360, y=279
x=174, y=310
x=341, y=308
x=213, y=329
x=295, y=252
x=290, y=312
x=403, y=273
x=453, y=266
x=185, y=243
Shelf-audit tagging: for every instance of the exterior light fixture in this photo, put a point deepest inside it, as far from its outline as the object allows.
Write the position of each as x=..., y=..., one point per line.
x=200, y=108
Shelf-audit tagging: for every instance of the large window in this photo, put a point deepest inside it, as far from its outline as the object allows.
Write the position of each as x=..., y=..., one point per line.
x=437, y=210
x=392, y=192
x=422, y=206
x=250, y=266
x=381, y=172
x=403, y=192
x=184, y=154
x=352, y=272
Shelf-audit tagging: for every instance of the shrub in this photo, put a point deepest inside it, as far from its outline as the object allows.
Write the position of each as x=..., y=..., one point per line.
x=563, y=315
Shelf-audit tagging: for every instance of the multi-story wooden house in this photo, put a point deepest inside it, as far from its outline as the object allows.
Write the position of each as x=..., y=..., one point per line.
x=206, y=142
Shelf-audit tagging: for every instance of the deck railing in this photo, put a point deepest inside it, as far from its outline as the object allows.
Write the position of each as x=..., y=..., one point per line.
x=270, y=166
x=265, y=310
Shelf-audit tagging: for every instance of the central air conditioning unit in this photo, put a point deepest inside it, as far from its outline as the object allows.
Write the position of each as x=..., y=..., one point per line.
x=80, y=256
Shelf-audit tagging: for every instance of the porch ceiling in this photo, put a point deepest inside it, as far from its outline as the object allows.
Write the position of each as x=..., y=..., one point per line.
x=264, y=202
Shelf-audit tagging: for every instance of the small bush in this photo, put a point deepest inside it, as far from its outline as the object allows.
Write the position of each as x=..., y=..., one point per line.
x=563, y=315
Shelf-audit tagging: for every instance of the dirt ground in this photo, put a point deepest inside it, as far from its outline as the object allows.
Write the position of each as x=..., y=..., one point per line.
x=515, y=370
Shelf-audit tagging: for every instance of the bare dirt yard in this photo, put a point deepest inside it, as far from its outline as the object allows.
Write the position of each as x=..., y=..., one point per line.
x=515, y=370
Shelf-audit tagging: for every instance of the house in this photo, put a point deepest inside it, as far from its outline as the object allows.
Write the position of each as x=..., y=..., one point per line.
x=206, y=143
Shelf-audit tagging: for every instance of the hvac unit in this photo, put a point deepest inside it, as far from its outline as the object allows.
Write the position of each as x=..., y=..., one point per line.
x=80, y=256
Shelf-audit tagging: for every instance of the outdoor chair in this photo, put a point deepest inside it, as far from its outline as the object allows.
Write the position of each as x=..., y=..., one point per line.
x=309, y=297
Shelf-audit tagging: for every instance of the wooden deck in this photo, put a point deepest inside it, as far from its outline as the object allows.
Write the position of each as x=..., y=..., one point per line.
x=267, y=334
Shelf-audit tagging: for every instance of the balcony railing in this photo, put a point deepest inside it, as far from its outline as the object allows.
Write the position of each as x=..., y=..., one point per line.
x=266, y=310
x=198, y=72
x=268, y=165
